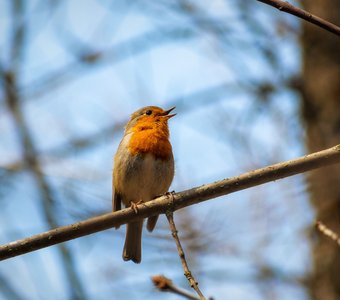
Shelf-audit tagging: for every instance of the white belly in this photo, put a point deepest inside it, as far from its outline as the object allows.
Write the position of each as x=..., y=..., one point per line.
x=143, y=176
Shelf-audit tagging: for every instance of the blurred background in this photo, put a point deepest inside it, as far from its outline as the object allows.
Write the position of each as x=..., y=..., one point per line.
x=252, y=86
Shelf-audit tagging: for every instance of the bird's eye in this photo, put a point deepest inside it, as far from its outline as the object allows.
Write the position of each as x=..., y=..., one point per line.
x=148, y=112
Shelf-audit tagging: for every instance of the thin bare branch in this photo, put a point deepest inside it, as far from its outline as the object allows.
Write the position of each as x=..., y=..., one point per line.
x=164, y=284
x=187, y=273
x=327, y=232
x=298, y=12
x=177, y=201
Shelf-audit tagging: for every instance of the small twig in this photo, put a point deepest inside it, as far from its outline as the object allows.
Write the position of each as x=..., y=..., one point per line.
x=164, y=284
x=293, y=10
x=187, y=272
x=327, y=232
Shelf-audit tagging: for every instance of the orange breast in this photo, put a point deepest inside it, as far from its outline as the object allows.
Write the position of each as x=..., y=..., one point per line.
x=151, y=138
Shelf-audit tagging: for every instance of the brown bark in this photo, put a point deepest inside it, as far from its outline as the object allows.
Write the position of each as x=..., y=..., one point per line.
x=321, y=114
x=166, y=204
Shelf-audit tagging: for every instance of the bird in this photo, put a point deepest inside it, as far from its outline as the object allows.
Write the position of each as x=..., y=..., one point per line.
x=143, y=169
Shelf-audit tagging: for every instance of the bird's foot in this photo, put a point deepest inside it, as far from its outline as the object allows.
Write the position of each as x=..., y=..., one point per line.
x=133, y=205
x=171, y=196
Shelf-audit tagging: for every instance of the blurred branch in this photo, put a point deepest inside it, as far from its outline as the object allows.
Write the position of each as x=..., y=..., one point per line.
x=177, y=201
x=87, y=56
x=28, y=148
x=202, y=20
x=33, y=165
x=327, y=232
x=201, y=97
x=293, y=10
x=8, y=291
x=165, y=285
x=187, y=273
x=18, y=34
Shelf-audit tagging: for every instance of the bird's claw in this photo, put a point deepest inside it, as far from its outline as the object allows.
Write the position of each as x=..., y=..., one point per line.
x=134, y=205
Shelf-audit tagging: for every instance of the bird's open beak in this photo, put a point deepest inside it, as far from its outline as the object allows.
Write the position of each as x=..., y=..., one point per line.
x=166, y=113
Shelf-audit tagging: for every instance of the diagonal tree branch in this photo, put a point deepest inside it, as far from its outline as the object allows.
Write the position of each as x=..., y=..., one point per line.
x=192, y=281
x=177, y=201
x=293, y=10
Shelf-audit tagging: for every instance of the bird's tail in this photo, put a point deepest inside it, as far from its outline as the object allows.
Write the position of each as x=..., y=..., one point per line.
x=151, y=223
x=133, y=242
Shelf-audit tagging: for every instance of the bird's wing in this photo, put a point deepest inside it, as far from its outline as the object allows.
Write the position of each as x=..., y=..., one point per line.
x=116, y=201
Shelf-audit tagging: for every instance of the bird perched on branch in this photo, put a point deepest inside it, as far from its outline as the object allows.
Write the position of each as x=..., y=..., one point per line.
x=143, y=169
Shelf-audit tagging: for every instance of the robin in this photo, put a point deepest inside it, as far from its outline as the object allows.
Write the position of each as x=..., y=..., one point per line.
x=143, y=169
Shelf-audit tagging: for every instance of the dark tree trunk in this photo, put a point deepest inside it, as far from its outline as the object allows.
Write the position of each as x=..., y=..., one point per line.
x=321, y=115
